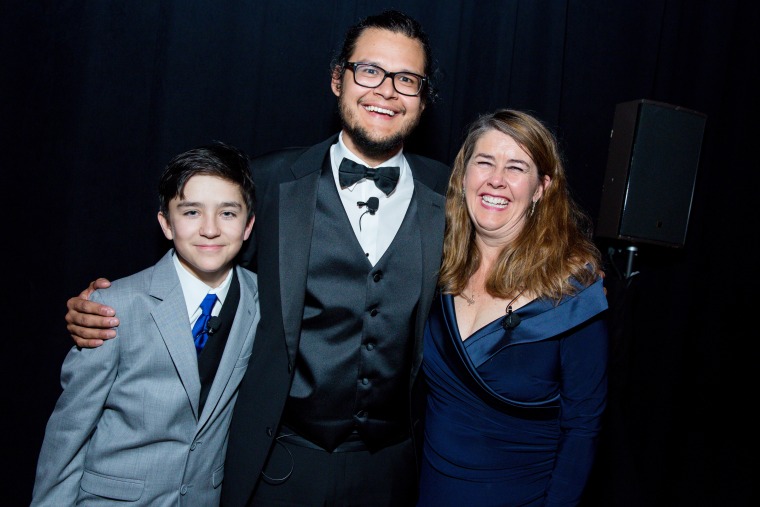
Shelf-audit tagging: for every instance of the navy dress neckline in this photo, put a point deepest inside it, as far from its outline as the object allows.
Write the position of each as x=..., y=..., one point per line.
x=513, y=413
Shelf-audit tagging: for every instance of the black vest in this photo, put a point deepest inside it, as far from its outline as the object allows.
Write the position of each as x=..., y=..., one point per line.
x=211, y=355
x=354, y=357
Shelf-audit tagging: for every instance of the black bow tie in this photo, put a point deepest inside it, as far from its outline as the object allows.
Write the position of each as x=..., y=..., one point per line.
x=385, y=177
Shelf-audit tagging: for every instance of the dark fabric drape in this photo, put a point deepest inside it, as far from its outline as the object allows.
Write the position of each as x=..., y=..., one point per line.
x=96, y=97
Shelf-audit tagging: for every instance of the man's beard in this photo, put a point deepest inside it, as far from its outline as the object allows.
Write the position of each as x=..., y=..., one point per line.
x=372, y=148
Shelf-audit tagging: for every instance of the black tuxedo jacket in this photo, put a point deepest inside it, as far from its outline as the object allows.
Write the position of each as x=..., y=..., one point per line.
x=286, y=191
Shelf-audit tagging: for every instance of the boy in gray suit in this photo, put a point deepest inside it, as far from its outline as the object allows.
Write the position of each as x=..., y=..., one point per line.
x=146, y=418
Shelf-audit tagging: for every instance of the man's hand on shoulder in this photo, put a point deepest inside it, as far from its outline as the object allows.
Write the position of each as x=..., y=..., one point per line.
x=90, y=323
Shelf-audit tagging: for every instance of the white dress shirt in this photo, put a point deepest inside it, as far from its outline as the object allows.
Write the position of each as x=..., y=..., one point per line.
x=377, y=231
x=194, y=291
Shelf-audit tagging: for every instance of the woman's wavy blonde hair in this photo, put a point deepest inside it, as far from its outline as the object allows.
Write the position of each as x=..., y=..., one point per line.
x=554, y=245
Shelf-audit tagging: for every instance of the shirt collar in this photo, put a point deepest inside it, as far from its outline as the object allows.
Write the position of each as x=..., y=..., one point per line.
x=195, y=290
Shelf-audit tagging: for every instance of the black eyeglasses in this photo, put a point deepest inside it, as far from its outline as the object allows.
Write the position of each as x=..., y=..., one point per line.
x=372, y=76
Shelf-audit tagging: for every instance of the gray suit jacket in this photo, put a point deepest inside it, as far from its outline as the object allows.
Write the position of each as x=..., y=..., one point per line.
x=127, y=427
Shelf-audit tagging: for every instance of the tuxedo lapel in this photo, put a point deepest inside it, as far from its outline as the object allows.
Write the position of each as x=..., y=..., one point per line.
x=298, y=201
x=430, y=211
x=171, y=319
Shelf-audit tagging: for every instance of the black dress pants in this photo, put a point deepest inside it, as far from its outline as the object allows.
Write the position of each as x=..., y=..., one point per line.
x=298, y=475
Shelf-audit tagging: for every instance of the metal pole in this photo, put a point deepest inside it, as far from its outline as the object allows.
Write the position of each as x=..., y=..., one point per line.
x=629, y=266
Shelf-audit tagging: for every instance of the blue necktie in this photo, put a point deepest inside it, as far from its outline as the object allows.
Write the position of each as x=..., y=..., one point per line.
x=200, y=333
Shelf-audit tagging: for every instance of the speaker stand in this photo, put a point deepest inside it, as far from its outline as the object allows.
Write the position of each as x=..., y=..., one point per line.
x=632, y=251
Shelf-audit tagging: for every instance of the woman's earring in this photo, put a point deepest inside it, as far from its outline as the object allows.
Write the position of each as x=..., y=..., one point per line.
x=462, y=194
x=532, y=207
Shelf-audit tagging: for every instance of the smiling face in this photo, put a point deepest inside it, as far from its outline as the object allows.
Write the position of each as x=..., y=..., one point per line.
x=377, y=120
x=501, y=182
x=208, y=226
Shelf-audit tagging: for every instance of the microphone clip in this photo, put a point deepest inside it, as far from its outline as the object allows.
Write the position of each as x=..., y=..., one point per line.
x=372, y=204
x=213, y=325
x=511, y=320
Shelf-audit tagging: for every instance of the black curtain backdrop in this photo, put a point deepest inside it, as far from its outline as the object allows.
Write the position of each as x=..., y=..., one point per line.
x=96, y=97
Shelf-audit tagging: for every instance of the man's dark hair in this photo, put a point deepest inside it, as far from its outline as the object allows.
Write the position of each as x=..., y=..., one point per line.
x=397, y=22
x=215, y=159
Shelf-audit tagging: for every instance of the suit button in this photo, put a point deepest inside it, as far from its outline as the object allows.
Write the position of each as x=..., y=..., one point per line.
x=365, y=381
x=193, y=446
x=183, y=490
x=373, y=312
x=370, y=346
x=378, y=276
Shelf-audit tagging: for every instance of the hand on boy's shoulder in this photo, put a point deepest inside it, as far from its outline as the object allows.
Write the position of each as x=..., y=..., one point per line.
x=88, y=322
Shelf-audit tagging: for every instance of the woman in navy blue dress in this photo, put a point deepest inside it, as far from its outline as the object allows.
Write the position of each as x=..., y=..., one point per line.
x=516, y=342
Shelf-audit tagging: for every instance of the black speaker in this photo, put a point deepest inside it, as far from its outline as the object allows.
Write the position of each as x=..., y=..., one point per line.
x=651, y=172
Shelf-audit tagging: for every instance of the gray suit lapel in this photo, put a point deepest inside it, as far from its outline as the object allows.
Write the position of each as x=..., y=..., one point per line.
x=171, y=319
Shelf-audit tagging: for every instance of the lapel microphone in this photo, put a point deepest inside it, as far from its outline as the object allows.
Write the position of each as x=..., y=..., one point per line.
x=213, y=325
x=511, y=320
x=372, y=204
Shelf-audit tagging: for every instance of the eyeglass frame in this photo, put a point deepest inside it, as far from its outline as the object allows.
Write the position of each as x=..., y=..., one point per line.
x=392, y=75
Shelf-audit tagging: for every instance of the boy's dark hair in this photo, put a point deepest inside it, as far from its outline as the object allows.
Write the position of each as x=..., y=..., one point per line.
x=215, y=159
x=397, y=22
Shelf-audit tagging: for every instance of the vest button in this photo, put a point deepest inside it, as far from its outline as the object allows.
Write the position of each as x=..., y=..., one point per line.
x=370, y=346
x=377, y=276
x=373, y=312
x=365, y=381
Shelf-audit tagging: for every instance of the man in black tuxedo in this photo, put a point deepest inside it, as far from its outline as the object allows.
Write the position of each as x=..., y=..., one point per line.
x=347, y=260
